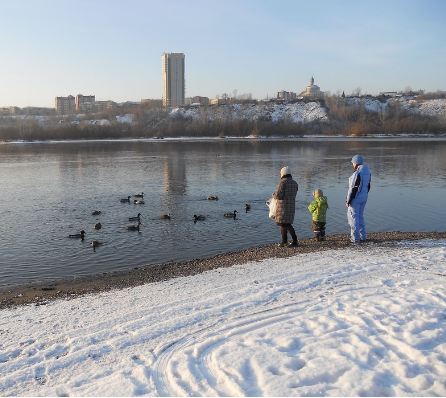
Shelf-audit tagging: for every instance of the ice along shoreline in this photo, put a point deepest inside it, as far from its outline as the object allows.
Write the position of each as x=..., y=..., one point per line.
x=305, y=137
x=42, y=293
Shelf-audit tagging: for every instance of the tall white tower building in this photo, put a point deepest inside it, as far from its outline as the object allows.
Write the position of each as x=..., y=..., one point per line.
x=174, y=88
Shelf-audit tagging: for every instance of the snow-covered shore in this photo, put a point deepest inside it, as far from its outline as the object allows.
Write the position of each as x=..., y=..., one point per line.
x=366, y=320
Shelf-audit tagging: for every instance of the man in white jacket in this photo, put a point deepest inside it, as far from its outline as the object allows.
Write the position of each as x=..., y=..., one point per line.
x=358, y=191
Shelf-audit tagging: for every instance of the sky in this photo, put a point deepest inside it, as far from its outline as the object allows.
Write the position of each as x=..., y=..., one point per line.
x=113, y=48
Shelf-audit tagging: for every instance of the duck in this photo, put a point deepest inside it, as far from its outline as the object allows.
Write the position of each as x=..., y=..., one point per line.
x=125, y=200
x=96, y=213
x=138, y=202
x=80, y=235
x=165, y=217
x=212, y=197
x=247, y=207
x=199, y=218
x=139, y=195
x=137, y=218
x=231, y=214
x=95, y=244
x=98, y=225
x=133, y=227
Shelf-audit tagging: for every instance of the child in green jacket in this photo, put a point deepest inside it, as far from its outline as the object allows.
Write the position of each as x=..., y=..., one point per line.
x=318, y=209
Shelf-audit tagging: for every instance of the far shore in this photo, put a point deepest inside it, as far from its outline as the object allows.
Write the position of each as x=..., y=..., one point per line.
x=42, y=293
x=309, y=137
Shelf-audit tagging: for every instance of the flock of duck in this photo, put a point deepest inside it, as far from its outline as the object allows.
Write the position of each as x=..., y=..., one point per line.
x=138, y=199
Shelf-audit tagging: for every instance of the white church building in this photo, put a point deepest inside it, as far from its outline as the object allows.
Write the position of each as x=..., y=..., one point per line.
x=312, y=91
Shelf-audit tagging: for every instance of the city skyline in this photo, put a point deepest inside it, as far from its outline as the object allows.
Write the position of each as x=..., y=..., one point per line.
x=103, y=47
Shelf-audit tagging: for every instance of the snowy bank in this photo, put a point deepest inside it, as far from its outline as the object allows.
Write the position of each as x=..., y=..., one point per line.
x=297, y=112
x=367, y=320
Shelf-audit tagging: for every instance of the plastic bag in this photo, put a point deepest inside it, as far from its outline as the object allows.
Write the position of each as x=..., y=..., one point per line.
x=272, y=205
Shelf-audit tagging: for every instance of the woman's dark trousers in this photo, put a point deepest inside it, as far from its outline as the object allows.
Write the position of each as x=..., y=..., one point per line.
x=284, y=229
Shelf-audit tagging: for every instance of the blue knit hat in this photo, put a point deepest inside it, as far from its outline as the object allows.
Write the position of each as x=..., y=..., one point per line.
x=357, y=159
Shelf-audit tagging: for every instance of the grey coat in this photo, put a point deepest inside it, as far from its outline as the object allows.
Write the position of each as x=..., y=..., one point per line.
x=285, y=194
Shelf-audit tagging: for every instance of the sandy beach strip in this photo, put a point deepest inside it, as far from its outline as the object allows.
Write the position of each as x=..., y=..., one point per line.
x=41, y=293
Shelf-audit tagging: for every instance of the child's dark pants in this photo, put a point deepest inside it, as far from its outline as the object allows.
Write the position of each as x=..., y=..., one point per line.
x=319, y=230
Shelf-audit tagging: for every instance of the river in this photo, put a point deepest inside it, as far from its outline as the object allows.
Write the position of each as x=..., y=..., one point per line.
x=49, y=190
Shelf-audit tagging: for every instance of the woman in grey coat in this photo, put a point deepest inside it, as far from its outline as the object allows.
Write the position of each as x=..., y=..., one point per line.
x=285, y=194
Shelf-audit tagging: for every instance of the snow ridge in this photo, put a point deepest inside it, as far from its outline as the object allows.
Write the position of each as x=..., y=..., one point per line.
x=298, y=112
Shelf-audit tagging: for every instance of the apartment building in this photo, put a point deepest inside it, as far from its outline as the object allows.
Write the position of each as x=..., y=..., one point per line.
x=85, y=103
x=174, y=88
x=65, y=105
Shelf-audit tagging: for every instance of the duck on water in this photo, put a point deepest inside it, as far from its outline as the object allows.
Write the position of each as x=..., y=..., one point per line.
x=137, y=218
x=80, y=235
x=199, y=218
x=231, y=214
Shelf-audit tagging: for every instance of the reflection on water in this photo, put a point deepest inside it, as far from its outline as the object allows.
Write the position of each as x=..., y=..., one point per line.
x=49, y=191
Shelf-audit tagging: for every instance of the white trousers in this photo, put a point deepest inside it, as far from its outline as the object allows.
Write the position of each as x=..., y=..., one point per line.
x=355, y=217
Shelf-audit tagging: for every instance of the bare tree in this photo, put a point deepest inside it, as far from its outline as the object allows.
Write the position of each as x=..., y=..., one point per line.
x=356, y=92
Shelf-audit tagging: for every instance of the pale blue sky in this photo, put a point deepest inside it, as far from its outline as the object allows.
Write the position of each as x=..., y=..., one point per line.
x=113, y=48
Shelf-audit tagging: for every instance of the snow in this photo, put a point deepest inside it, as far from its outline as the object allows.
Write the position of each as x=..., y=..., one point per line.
x=434, y=107
x=367, y=320
x=128, y=118
x=302, y=112
x=297, y=112
x=370, y=104
x=95, y=122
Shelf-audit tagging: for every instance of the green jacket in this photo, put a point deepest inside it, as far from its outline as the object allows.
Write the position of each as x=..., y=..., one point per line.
x=318, y=209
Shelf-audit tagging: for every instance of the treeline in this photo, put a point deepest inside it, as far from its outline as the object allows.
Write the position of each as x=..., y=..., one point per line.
x=38, y=133
x=344, y=118
x=234, y=128
x=356, y=119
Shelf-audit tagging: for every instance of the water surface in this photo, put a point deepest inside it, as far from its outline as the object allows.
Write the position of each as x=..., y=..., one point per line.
x=48, y=191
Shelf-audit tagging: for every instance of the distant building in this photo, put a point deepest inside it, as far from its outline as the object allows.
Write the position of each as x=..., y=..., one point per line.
x=129, y=106
x=151, y=103
x=65, y=105
x=203, y=101
x=219, y=101
x=312, y=91
x=103, y=106
x=14, y=110
x=4, y=111
x=174, y=88
x=85, y=103
x=10, y=111
x=389, y=94
x=286, y=95
x=37, y=111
